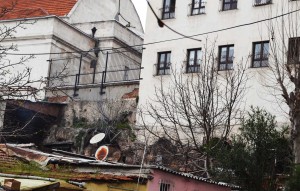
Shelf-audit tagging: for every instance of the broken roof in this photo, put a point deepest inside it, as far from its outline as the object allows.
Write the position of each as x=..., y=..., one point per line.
x=35, y=8
x=91, y=167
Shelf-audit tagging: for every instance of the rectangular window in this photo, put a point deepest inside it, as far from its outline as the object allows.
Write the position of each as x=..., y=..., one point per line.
x=226, y=57
x=262, y=2
x=294, y=51
x=229, y=5
x=168, y=10
x=194, y=59
x=260, y=54
x=164, y=187
x=163, y=65
x=198, y=7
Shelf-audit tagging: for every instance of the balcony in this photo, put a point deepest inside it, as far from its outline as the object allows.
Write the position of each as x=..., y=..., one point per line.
x=262, y=2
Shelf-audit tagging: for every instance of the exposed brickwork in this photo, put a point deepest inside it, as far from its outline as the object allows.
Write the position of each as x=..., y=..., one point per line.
x=131, y=95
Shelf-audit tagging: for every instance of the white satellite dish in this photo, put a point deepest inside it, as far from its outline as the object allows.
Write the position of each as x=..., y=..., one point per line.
x=97, y=138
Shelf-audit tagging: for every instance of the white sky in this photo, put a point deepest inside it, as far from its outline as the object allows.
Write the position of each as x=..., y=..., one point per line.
x=141, y=7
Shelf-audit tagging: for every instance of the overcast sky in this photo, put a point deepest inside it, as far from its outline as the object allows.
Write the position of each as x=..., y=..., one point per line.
x=141, y=7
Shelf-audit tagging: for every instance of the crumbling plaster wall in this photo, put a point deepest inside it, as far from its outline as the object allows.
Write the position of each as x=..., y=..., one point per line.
x=87, y=108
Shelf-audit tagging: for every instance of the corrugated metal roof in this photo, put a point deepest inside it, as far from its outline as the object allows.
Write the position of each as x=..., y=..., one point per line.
x=46, y=158
x=191, y=176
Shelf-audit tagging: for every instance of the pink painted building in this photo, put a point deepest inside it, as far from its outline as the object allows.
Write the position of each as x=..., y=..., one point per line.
x=167, y=180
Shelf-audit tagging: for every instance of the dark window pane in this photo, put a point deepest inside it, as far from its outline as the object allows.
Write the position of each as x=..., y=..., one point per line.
x=260, y=54
x=294, y=51
x=265, y=63
x=193, y=60
x=198, y=7
x=226, y=57
x=168, y=11
x=163, y=65
x=223, y=54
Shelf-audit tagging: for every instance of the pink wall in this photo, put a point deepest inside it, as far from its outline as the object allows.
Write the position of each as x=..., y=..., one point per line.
x=181, y=183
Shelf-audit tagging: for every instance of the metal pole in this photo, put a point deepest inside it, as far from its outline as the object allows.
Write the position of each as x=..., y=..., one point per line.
x=49, y=74
x=79, y=72
x=94, y=74
x=104, y=76
x=75, y=86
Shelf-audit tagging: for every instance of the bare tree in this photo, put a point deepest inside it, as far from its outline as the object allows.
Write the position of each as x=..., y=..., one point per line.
x=193, y=109
x=284, y=58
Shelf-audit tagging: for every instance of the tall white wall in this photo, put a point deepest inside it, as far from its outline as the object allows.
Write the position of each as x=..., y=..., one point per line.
x=214, y=19
x=104, y=10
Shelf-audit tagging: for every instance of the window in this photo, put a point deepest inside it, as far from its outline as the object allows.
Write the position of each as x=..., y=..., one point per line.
x=294, y=51
x=198, y=7
x=229, y=5
x=260, y=55
x=194, y=59
x=165, y=185
x=168, y=10
x=262, y=2
x=226, y=57
x=163, y=65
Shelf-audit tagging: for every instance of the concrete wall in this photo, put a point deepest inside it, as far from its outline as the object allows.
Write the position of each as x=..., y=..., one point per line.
x=87, y=11
x=47, y=36
x=111, y=35
x=179, y=183
x=242, y=37
x=92, y=111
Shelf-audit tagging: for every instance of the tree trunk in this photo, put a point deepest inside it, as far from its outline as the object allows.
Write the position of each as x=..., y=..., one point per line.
x=297, y=147
x=296, y=137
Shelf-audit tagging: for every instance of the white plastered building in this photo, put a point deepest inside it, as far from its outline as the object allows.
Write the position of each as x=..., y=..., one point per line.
x=238, y=28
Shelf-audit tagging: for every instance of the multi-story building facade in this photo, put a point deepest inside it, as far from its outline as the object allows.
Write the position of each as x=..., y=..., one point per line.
x=81, y=52
x=240, y=32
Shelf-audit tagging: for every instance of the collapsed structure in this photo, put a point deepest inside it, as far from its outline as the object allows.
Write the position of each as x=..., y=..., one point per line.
x=94, y=175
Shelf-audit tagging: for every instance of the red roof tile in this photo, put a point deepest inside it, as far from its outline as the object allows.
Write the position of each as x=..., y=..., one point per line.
x=34, y=8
